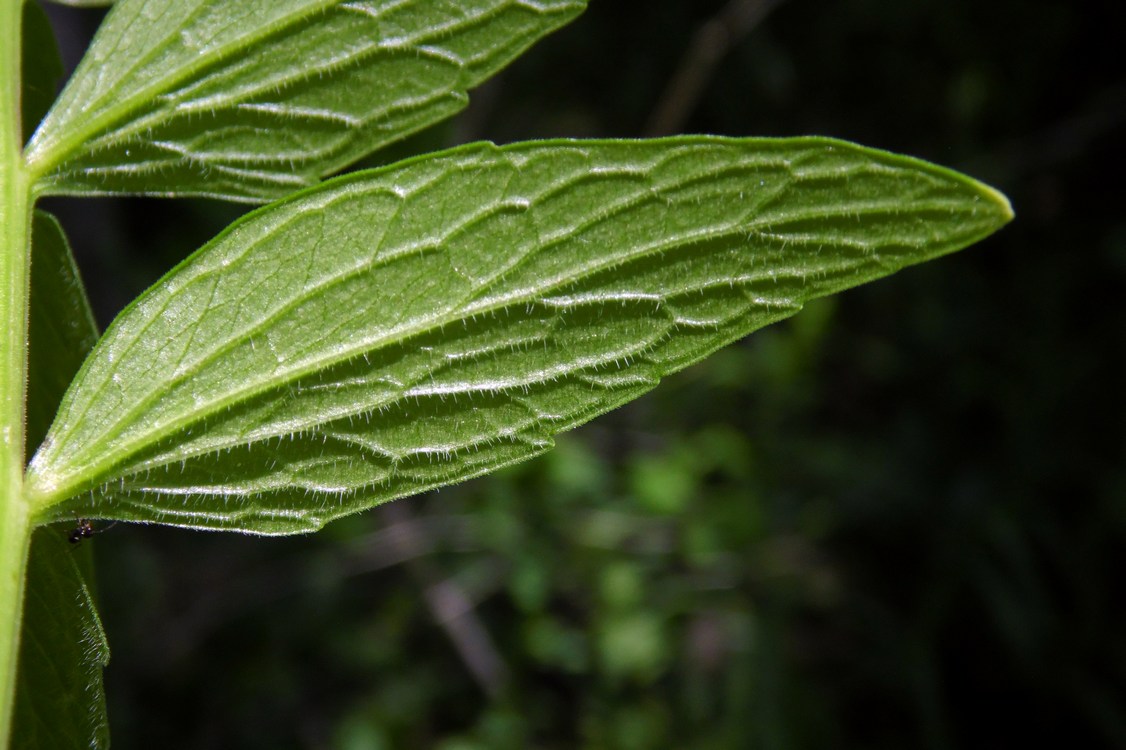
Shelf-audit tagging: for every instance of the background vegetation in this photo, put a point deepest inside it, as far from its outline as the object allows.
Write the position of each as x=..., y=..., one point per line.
x=896, y=521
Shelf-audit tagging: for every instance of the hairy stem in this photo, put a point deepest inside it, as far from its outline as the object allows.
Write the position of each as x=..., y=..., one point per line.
x=15, y=225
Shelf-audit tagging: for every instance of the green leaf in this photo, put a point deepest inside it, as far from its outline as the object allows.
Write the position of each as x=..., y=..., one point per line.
x=409, y=327
x=60, y=702
x=251, y=99
x=42, y=67
x=61, y=327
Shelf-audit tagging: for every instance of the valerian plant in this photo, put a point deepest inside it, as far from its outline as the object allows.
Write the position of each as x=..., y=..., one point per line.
x=375, y=335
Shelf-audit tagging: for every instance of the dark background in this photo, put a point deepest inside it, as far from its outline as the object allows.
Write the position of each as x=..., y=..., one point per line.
x=897, y=520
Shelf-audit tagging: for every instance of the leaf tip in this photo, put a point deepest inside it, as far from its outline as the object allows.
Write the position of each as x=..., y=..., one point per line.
x=1000, y=201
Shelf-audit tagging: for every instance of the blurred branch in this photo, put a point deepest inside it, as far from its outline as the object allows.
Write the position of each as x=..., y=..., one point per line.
x=711, y=42
x=448, y=603
x=1056, y=144
x=242, y=593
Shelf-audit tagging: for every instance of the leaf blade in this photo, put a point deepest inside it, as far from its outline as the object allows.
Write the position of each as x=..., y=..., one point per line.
x=41, y=66
x=62, y=330
x=443, y=317
x=60, y=700
x=249, y=101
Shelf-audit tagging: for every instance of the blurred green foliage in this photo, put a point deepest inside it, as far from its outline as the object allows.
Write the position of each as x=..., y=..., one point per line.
x=897, y=520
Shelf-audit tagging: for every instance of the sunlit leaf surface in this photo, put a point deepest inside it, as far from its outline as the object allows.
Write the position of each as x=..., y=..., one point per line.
x=252, y=99
x=413, y=326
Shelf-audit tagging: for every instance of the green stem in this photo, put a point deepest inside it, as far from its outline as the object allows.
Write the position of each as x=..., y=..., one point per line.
x=15, y=225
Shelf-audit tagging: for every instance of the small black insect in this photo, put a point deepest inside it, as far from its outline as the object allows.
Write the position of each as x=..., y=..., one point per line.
x=85, y=530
